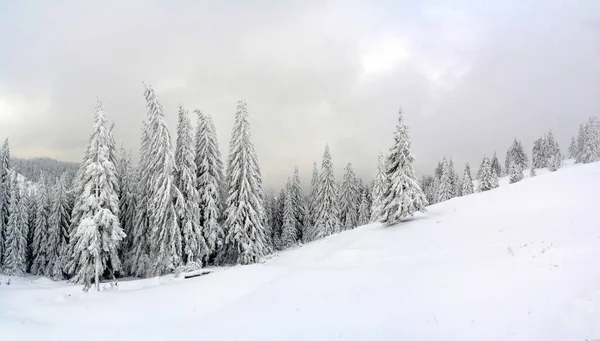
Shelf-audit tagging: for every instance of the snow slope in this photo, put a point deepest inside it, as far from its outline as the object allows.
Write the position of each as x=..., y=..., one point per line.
x=516, y=263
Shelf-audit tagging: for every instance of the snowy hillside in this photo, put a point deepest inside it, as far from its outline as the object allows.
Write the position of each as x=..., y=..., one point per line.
x=516, y=263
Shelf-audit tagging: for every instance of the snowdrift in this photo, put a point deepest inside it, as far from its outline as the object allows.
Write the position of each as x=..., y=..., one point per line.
x=516, y=263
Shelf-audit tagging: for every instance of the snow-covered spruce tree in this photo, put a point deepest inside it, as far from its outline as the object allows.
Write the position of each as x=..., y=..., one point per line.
x=278, y=216
x=127, y=204
x=288, y=232
x=15, y=262
x=327, y=209
x=572, y=148
x=137, y=262
x=194, y=245
x=429, y=188
x=298, y=204
x=348, y=199
x=364, y=210
x=467, y=183
x=580, y=143
x=98, y=234
x=270, y=204
x=379, y=185
x=165, y=234
x=517, y=153
x=445, y=190
x=312, y=199
x=496, y=165
x=58, y=231
x=4, y=193
x=487, y=179
x=246, y=240
x=538, y=159
x=209, y=181
x=402, y=195
x=515, y=172
x=589, y=142
x=456, y=186
x=41, y=229
x=30, y=198
x=552, y=153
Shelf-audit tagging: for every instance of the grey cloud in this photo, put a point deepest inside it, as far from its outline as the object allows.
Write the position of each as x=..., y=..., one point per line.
x=469, y=76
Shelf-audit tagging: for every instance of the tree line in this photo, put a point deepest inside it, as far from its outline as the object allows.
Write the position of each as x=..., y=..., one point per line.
x=182, y=205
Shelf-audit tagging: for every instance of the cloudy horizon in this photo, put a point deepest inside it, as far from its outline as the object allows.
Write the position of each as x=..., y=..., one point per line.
x=469, y=76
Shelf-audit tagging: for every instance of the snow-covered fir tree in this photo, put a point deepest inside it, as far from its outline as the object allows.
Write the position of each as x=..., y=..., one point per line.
x=165, y=232
x=327, y=209
x=278, y=216
x=298, y=204
x=98, y=234
x=41, y=229
x=515, y=172
x=194, y=247
x=127, y=203
x=428, y=185
x=445, y=189
x=487, y=178
x=15, y=257
x=270, y=207
x=58, y=229
x=349, y=194
x=538, y=159
x=246, y=240
x=552, y=152
x=30, y=199
x=4, y=193
x=572, y=148
x=137, y=262
x=467, y=183
x=312, y=199
x=496, y=165
x=379, y=185
x=209, y=180
x=455, y=179
x=364, y=210
x=402, y=195
x=288, y=231
x=516, y=153
x=588, y=142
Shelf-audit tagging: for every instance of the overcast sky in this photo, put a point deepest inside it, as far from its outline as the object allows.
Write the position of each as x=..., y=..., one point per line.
x=469, y=75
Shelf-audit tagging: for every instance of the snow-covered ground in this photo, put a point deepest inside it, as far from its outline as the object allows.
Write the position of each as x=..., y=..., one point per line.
x=520, y=262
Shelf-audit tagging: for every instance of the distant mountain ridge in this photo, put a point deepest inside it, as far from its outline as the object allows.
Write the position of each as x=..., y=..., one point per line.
x=32, y=169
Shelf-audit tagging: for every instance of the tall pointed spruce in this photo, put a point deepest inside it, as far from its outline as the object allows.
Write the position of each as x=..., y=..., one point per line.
x=97, y=237
x=364, y=210
x=127, y=203
x=209, y=181
x=403, y=195
x=349, y=199
x=467, y=184
x=4, y=193
x=138, y=261
x=246, y=239
x=288, y=232
x=378, y=189
x=59, y=222
x=445, y=190
x=165, y=233
x=41, y=229
x=487, y=178
x=188, y=204
x=327, y=216
x=312, y=200
x=15, y=262
x=298, y=204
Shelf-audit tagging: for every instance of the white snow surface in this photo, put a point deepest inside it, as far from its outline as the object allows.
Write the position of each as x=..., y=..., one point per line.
x=520, y=262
